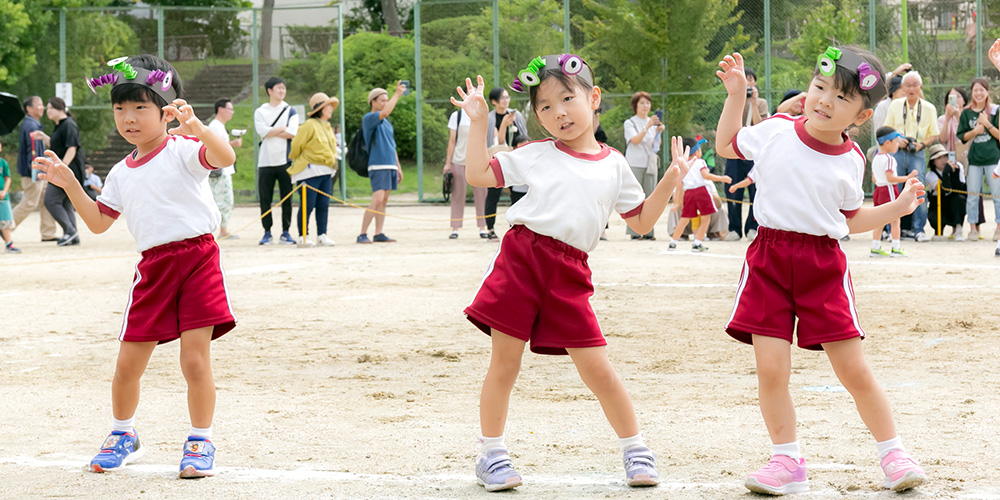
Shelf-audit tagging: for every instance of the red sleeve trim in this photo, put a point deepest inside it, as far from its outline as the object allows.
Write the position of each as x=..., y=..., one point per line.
x=203, y=158
x=850, y=213
x=736, y=147
x=634, y=212
x=497, y=171
x=106, y=210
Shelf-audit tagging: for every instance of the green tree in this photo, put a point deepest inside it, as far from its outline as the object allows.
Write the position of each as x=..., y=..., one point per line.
x=17, y=55
x=825, y=25
x=216, y=33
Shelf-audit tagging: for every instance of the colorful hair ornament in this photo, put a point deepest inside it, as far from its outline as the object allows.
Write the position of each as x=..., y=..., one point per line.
x=869, y=80
x=827, y=61
x=529, y=76
x=93, y=83
x=126, y=68
x=516, y=86
x=167, y=77
x=867, y=77
x=571, y=63
x=159, y=81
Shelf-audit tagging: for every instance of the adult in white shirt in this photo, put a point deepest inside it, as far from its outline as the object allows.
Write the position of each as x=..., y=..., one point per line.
x=458, y=140
x=275, y=123
x=222, y=184
x=642, y=135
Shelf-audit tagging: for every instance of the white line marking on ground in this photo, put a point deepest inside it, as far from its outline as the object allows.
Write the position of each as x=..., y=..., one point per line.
x=865, y=287
x=262, y=269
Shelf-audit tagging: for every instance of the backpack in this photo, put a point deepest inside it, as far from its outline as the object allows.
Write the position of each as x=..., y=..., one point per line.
x=357, y=152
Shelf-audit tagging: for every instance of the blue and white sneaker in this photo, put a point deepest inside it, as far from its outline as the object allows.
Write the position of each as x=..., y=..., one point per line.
x=286, y=239
x=118, y=449
x=640, y=467
x=495, y=471
x=267, y=239
x=199, y=458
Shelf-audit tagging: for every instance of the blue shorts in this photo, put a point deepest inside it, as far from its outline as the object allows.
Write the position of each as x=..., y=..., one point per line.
x=383, y=179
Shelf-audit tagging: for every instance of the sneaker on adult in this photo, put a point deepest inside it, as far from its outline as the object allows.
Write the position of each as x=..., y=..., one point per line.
x=382, y=238
x=305, y=242
x=781, y=475
x=495, y=471
x=10, y=248
x=649, y=237
x=640, y=467
x=484, y=234
x=453, y=235
x=957, y=236
x=363, y=238
x=973, y=235
x=878, y=253
x=493, y=236
x=996, y=234
x=325, y=240
x=922, y=237
x=897, y=253
x=267, y=239
x=733, y=236
x=199, y=458
x=751, y=235
x=119, y=448
x=285, y=239
x=901, y=471
x=67, y=239
x=905, y=233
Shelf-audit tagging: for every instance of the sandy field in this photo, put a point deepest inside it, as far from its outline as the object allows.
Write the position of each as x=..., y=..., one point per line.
x=354, y=374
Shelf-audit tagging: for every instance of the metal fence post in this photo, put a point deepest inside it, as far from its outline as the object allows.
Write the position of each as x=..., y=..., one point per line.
x=566, y=26
x=903, y=9
x=255, y=42
x=62, y=44
x=159, y=32
x=767, y=50
x=496, y=43
x=420, y=115
x=343, y=124
x=871, y=28
x=979, y=38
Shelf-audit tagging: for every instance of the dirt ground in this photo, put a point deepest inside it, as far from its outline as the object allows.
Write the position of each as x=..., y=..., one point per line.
x=354, y=374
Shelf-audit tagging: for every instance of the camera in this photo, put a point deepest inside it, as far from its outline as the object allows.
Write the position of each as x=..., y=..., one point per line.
x=237, y=132
x=749, y=92
x=911, y=144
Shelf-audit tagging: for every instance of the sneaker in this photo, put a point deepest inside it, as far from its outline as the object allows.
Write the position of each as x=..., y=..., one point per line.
x=997, y=253
x=973, y=235
x=957, y=236
x=922, y=237
x=649, y=237
x=69, y=239
x=484, y=234
x=382, y=238
x=267, y=239
x=699, y=248
x=453, y=235
x=285, y=239
x=118, y=449
x=751, y=235
x=305, y=242
x=640, y=467
x=199, y=458
x=885, y=235
x=878, y=253
x=996, y=234
x=905, y=233
x=604, y=236
x=363, y=238
x=672, y=246
x=495, y=472
x=896, y=253
x=733, y=236
x=493, y=236
x=901, y=471
x=10, y=248
x=636, y=237
x=325, y=240
x=780, y=476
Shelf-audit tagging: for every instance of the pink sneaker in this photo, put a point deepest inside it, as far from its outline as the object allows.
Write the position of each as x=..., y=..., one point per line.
x=902, y=471
x=780, y=476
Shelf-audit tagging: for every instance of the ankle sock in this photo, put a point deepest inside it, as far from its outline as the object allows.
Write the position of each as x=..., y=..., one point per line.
x=896, y=244
x=876, y=244
x=630, y=442
x=122, y=425
x=205, y=433
x=790, y=450
x=697, y=243
x=491, y=443
x=884, y=447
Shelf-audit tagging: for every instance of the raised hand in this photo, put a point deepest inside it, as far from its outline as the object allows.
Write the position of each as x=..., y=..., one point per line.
x=679, y=156
x=732, y=74
x=472, y=101
x=54, y=170
x=912, y=195
x=994, y=53
x=184, y=113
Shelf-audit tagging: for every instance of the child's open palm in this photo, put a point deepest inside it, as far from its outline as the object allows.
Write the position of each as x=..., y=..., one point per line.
x=679, y=155
x=994, y=53
x=913, y=190
x=732, y=74
x=472, y=101
x=184, y=113
x=54, y=170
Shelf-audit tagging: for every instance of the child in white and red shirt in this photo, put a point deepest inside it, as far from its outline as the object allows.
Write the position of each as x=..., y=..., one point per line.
x=885, y=179
x=179, y=289
x=695, y=194
x=795, y=282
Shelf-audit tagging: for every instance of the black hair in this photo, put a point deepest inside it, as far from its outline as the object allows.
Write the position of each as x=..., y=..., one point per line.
x=221, y=103
x=689, y=142
x=567, y=81
x=750, y=72
x=496, y=93
x=961, y=92
x=140, y=93
x=31, y=101
x=847, y=80
x=59, y=104
x=884, y=131
x=271, y=82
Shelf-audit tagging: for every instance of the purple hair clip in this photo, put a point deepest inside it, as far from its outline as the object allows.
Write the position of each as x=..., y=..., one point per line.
x=108, y=79
x=571, y=63
x=516, y=85
x=167, y=77
x=867, y=77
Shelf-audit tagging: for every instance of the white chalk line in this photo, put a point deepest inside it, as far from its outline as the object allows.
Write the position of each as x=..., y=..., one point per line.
x=859, y=261
x=266, y=268
x=863, y=287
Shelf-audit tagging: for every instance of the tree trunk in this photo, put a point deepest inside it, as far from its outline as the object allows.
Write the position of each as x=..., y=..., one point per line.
x=264, y=39
x=391, y=16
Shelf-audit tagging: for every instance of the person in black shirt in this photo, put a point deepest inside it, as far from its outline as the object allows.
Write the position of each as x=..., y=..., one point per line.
x=65, y=142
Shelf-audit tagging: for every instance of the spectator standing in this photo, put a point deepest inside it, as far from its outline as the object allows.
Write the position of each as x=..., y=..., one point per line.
x=65, y=142
x=979, y=126
x=642, y=133
x=6, y=216
x=384, y=172
x=458, y=140
x=754, y=110
x=29, y=146
x=92, y=184
x=952, y=177
x=895, y=79
x=948, y=122
x=274, y=124
x=505, y=129
x=221, y=180
x=314, y=163
x=916, y=119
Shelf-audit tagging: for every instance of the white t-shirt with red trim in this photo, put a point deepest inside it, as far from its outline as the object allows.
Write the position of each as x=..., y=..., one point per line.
x=882, y=163
x=164, y=195
x=571, y=195
x=694, y=179
x=803, y=185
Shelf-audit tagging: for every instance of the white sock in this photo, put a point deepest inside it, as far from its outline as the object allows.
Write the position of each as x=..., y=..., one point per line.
x=672, y=240
x=884, y=447
x=697, y=243
x=895, y=244
x=629, y=442
x=876, y=244
x=122, y=425
x=790, y=450
x=205, y=433
x=998, y=245
x=491, y=443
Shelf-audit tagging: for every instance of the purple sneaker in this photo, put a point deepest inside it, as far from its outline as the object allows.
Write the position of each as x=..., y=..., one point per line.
x=495, y=471
x=902, y=471
x=118, y=449
x=780, y=476
x=640, y=467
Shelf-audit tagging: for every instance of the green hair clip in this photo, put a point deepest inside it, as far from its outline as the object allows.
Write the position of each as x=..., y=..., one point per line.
x=827, y=61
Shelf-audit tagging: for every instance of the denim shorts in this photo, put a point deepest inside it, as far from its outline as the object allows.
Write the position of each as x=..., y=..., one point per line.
x=383, y=179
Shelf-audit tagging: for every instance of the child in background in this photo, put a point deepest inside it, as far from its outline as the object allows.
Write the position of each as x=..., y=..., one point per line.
x=6, y=215
x=996, y=170
x=885, y=179
x=795, y=268
x=179, y=290
x=695, y=195
x=538, y=285
x=91, y=182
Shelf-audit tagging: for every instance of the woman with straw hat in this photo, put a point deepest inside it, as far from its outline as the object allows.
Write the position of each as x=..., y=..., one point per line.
x=314, y=163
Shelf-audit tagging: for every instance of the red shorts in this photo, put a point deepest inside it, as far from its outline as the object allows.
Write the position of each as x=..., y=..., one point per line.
x=788, y=275
x=178, y=286
x=697, y=201
x=538, y=289
x=885, y=194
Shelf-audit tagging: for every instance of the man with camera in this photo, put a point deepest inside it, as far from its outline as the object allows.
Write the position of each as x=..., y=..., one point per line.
x=917, y=120
x=221, y=180
x=755, y=110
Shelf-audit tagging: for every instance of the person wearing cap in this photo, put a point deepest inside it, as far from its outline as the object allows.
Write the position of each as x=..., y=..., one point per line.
x=885, y=179
x=275, y=126
x=951, y=175
x=384, y=172
x=914, y=118
x=791, y=103
x=222, y=184
x=314, y=163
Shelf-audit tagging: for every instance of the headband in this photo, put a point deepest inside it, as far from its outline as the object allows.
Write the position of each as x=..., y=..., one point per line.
x=570, y=64
x=869, y=80
x=888, y=137
x=159, y=81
